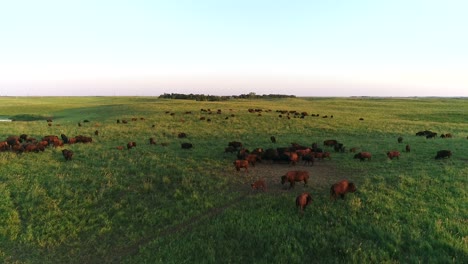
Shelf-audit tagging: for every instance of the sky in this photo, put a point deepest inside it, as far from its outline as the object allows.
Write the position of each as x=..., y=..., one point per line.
x=232, y=47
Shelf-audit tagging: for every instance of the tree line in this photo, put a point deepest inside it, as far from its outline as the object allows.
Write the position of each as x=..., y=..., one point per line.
x=203, y=97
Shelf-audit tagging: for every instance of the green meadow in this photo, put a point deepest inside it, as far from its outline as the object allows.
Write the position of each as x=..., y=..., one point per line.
x=164, y=204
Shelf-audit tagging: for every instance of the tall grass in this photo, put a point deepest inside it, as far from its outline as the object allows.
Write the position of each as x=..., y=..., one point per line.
x=163, y=204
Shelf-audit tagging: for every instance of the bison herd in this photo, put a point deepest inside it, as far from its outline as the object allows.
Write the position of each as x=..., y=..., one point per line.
x=291, y=155
x=295, y=153
x=24, y=143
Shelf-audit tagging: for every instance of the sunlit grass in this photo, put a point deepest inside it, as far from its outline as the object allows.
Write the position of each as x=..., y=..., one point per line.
x=164, y=204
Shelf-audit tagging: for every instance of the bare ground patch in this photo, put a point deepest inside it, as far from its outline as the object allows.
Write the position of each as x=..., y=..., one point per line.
x=322, y=175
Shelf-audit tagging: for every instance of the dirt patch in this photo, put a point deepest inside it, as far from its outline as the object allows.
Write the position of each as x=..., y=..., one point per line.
x=322, y=175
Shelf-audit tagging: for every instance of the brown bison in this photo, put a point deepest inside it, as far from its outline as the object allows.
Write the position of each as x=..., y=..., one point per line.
x=241, y=164
x=252, y=159
x=260, y=184
x=303, y=200
x=341, y=188
x=393, y=154
x=4, y=146
x=131, y=144
x=273, y=139
x=293, y=158
x=152, y=142
x=67, y=154
x=295, y=176
x=441, y=154
x=408, y=148
x=363, y=155
x=182, y=135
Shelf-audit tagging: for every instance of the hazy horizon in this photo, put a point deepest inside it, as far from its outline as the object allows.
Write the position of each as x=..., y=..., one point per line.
x=224, y=47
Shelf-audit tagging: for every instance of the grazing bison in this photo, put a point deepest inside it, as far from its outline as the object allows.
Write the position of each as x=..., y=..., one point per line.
x=64, y=138
x=308, y=159
x=186, y=145
x=260, y=184
x=339, y=147
x=408, y=148
x=96, y=132
x=303, y=200
x=431, y=135
x=241, y=164
x=293, y=158
x=229, y=149
x=235, y=144
x=295, y=176
x=273, y=139
x=131, y=144
x=400, y=139
x=363, y=155
x=252, y=159
x=242, y=153
x=151, y=141
x=441, y=154
x=341, y=188
x=393, y=154
x=67, y=154
x=182, y=135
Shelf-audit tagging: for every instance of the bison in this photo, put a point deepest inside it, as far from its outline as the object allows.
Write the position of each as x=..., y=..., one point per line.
x=229, y=149
x=235, y=144
x=441, y=154
x=186, y=145
x=273, y=139
x=67, y=154
x=363, y=155
x=131, y=144
x=260, y=184
x=252, y=159
x=341, y=188
x=295, y=176
x=408, y=148
x=293, y=158
x=151, y=141
x=393, y=154
x=241, y=164
x=303, y=200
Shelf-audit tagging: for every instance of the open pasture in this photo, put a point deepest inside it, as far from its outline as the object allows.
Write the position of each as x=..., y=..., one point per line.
x=159, y=203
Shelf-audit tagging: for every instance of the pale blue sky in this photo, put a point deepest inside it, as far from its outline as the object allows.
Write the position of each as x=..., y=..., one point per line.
x=224, y=47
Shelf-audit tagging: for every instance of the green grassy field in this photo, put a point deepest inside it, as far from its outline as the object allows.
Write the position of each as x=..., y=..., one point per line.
x=164, y=204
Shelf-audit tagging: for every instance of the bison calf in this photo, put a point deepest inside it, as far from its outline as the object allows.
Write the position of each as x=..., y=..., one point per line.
x=67, y=154
x=260, y=184
x=303, y=200
x=341, y=188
